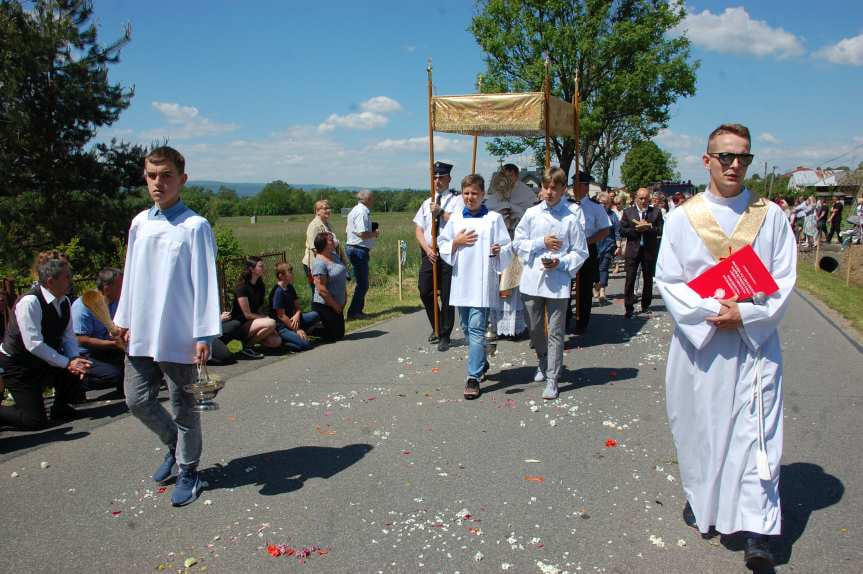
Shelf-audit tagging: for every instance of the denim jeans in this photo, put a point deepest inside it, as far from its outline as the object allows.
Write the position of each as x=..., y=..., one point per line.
x=360, y=262
x=143, y=376
x=290, y=338
x=473, y=324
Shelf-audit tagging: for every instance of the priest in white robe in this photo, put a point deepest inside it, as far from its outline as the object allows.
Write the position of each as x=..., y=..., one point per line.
x=724, y=375
x=477, y=245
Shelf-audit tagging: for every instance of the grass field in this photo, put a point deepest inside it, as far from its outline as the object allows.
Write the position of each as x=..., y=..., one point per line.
x=288, y=233
x=831, y=289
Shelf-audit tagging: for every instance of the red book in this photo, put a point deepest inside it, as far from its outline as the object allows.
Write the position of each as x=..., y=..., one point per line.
x=742, y=273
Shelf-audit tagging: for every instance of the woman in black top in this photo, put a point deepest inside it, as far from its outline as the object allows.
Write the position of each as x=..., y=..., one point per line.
x=249, y=297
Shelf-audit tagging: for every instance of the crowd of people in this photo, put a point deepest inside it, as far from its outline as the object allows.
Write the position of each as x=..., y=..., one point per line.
x=816, y=220
x=511, y=262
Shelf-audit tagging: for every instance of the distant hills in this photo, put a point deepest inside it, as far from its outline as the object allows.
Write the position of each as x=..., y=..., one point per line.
x=248, y=189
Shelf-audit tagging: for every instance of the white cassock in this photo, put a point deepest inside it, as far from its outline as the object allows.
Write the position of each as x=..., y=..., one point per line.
x=710, y=380
x=474, y=273
x=170, y=296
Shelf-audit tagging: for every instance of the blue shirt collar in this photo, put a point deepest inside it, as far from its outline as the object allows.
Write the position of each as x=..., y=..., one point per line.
x=168, y=214
x=559, y=207
x=483, y=210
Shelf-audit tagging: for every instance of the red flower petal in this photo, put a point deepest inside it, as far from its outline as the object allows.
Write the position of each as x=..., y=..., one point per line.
x=610, y=443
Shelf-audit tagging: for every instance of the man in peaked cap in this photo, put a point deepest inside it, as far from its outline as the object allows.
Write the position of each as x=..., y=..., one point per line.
x=596, y=226
x=430, y=214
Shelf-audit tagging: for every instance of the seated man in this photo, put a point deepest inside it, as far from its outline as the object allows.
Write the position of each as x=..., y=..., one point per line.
x=39, y=349
x=107, y=353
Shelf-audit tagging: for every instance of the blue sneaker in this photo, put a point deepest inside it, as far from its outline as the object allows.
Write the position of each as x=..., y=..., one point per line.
x=167, y=469
x=188, y=488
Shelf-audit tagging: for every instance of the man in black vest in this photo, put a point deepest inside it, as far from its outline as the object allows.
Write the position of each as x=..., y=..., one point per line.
x=641, y=225
x=39, y=349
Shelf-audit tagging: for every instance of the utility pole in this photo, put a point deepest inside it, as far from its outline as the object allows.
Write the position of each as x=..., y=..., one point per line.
x=772, y=178
x=765, y=178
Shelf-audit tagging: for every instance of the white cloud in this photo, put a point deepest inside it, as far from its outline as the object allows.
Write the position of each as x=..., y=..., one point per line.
x=381, y=105
x=356, y=121
x=442, y=144
x=185, y=122
x=670, y=140
x=769, y=138
x=846, y=51
x=409, y=49
x=734, y=31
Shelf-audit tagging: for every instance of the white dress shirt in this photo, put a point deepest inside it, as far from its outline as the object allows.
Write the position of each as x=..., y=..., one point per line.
x=593, y=217
x=359, y=221
x=423, y=218
x=28, y=313
x=529, y=244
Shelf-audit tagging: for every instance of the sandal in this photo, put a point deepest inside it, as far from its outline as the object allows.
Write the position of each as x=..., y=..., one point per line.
x=471, y=389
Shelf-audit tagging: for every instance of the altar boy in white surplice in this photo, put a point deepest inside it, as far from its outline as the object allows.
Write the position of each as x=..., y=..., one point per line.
x=477, y=245
x=724, y=376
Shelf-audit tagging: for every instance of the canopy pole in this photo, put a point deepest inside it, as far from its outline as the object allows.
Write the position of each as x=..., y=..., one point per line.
x=575, y=104
x=475, y=136
x=432, y=199
x=546, y=93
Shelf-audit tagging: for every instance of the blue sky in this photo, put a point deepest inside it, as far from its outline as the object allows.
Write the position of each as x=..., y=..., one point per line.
x=335, y=92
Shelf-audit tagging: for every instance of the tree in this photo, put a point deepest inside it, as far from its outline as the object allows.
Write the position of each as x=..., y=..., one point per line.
x=56, y=95
x=630, y=69
x=646, y=163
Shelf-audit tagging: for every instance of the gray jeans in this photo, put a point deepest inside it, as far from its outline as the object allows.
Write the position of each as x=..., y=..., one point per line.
x=549, y=349
x=142, y=379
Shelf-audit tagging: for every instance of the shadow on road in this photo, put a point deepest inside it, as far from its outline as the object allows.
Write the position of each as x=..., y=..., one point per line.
x=283, y=471
x=28, y=440
x=357, y=335
x=803, y=489
x=569, y=380
x=608, y=329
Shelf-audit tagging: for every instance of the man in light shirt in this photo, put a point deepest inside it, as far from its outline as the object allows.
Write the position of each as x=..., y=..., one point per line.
x=361, y=235
x=169, y=315
x=39, y=349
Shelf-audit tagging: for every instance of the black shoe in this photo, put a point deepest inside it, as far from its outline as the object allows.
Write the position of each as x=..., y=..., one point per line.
x=443, y=344
x=63, y=413
x=756, y=554
x=628, y=314
x=471, y=389
x=646, y=313
x=433, y=338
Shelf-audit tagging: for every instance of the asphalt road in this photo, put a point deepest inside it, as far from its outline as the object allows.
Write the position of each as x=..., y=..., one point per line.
x=364, y=454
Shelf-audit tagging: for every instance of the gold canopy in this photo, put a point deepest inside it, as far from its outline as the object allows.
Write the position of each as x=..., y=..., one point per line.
x=502, y=115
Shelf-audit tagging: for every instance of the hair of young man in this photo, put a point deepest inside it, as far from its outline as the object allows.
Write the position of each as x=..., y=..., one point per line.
x=553, y=176
x=473, y=180
x=321, y=241
x=321, y=203
x=283, y=269
x=51, y=269
x=167, y=154
x=107, y=276
x=248, y=267
x=510, y=168
x=737, y=129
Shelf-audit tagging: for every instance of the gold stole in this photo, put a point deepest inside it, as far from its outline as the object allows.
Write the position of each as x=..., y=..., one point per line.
x=708, y=229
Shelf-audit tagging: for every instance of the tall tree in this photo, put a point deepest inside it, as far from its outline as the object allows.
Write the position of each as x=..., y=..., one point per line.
x=645, y=163
x=631, y=70
x=56, y=95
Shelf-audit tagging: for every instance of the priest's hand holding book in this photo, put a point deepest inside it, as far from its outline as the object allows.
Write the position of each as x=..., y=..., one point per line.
x=729, y=316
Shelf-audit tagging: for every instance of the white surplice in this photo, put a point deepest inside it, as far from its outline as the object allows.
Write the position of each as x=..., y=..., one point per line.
x=170, y=297
x=710, y=379
x=474, y=273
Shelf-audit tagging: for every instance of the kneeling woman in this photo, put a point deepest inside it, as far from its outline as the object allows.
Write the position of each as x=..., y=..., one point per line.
x=330, y=277
x=248, y=300
x=477, y=245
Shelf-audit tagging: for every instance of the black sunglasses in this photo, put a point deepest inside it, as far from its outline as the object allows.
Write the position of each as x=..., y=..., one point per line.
x=727, y=158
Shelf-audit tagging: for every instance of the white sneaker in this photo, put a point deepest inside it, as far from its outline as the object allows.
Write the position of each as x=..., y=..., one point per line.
x=550, y=393
x=539, y=376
